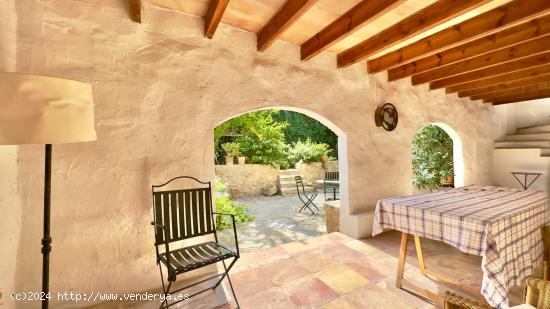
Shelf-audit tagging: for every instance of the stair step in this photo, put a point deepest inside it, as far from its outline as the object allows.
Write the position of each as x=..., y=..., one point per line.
x=522, y=144
x=545, y=152
x=292, y=191
x=535, y=129
x=289, y=172
x=526, y=137
x=287, y=177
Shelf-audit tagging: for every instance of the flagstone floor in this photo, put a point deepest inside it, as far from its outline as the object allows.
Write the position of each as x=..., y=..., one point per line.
x=334, y=271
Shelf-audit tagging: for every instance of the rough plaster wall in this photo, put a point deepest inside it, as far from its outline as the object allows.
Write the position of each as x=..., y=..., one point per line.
x=247, y=179
x=10, y=205
x=160, y=88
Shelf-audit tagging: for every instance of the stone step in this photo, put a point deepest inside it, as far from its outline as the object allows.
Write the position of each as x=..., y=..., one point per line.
x=292, y=191
x=289, y=172
x=522, y=144
x=526, y=137
x=287, y=177
x=535, y=129
x=287, y=183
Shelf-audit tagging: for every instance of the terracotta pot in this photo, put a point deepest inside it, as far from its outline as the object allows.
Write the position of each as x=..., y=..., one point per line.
x=324, y=157
x=229, y=160
x=450, y=179
x=241, y=160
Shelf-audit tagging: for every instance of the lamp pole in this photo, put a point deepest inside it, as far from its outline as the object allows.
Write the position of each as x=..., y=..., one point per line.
x=46, y=240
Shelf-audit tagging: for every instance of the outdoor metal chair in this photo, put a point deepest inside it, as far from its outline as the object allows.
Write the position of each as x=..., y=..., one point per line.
x=180, y=215
x=306, y=199
x=329, y=186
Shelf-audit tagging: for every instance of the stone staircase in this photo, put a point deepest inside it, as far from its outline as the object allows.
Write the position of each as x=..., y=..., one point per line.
x=536, y=137
x=287, y=185
x=527, y=150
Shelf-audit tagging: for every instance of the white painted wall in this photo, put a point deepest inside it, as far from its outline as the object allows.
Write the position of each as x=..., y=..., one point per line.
x=160, y=88
x=509, y=117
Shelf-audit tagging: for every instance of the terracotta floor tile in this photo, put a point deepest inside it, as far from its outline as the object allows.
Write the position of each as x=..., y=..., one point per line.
x=340, y=303
x=342, y=279
x=274, y=298
x=309, y=292
x=283, y=271
x=249, y=282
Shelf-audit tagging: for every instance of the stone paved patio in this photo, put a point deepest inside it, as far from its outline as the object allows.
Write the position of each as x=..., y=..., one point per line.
x=334, y=271
x=277, y=222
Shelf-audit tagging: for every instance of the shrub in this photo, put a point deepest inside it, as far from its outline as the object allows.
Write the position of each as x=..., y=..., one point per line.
x=226, y=205
x=307, y=151
x=232, y=149
x=432, y=157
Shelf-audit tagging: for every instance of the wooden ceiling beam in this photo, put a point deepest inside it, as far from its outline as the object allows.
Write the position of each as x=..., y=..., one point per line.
x=505, y=92
x=134, y=8
x=496, y=58
x=504, y=68
x=490, y=22
x=525, y=32
x=504, y=86
x=525, y=90
x=214, y=14
x=287, y=15
x=363, y=13
x=495, y=80
x=540, y=94
x=423, y=20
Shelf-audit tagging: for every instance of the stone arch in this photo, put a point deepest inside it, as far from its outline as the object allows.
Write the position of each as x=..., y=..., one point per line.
x=458, y=156
x=345, y=218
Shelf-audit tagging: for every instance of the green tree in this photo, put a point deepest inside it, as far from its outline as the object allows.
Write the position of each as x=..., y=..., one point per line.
x=261, y=138
x=432, y=157
x=301, y=128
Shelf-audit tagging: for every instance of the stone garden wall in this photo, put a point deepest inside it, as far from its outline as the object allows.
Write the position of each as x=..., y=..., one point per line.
x=314, y=171
x=247, y=179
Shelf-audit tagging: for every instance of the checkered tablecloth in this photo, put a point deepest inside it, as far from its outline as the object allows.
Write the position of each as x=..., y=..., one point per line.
x=500, y=224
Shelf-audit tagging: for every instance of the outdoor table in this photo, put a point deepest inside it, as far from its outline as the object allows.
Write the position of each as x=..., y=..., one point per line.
x=500, y=224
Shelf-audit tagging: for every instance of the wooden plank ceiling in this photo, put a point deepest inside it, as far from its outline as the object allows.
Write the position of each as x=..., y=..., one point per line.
x=497, y=51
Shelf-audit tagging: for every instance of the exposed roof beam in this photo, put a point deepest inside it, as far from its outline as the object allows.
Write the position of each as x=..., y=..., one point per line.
x=518, y=34
x=490, y=22
x=513, y=66
x=541, y=94
x=506, y=92
x=494, y=80
x=134, y=8
x=214, y=14
x=287, y=15
x=496, y=58
x=363, y=13
x=423, y=20
x=504, y=86
x=523, y=91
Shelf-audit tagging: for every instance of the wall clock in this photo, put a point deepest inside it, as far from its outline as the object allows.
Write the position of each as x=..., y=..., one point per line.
x=386, y=116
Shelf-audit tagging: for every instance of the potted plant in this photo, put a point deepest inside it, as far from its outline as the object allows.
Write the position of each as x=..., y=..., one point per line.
x=231, y=150
x=241, y=159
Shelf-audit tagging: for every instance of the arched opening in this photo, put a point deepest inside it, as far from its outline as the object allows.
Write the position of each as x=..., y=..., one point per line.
x=437, y=158
x=258, y=174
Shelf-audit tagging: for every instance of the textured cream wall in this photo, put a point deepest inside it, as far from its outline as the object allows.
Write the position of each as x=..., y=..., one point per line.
x=160, y=88
x=10, y=203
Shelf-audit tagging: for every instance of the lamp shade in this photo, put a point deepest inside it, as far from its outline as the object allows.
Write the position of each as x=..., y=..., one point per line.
x=38, y=109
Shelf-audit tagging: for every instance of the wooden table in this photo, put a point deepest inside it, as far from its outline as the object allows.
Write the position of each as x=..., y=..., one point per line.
x=501, y=224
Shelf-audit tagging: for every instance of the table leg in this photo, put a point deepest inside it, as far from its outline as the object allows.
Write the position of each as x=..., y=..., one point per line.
x=402, y=283
x=402, y=258
x=420, y=255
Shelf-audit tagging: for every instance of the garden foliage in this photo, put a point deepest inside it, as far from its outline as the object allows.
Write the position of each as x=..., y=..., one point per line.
x=432, y=157
x=226, y=205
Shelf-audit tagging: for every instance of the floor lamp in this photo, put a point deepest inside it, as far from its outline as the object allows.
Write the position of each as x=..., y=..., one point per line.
x=45, y=110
